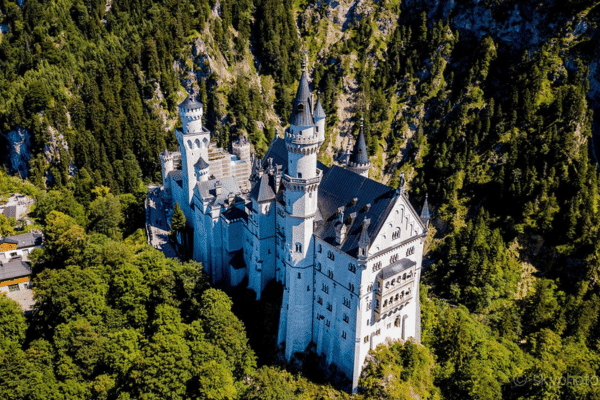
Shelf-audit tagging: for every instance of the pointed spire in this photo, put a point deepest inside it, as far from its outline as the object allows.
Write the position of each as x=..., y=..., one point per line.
x=425, y=211
x=364, y=241
x=319, y=112
x=302, y=113
x=359, y=153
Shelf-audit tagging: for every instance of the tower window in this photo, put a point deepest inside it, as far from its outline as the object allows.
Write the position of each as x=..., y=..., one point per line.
x=300, y=175
x=298, y=248
x=299, y=275
x=343, y=334
x=300, y=107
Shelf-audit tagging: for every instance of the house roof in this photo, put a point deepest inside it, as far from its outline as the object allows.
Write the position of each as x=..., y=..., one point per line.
x=207, y=190
x=396, y=268
x=14, y=269
x=263, y=189
x=339, y=187
x=28, y=239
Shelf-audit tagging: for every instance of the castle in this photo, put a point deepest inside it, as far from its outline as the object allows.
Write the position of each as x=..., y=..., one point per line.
x=347, y=249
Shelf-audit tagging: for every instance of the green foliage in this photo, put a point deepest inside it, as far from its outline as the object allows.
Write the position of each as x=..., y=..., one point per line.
x=12, y=321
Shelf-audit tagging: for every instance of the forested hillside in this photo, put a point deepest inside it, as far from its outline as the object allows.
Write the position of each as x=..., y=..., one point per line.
x=487, y=107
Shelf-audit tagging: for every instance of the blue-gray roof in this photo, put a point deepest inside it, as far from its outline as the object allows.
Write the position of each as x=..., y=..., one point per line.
x=15, y=268
x=207, y=190
x=190, y=103
x=302, y=112
x=338, y=188
x=359, y=154
x=28, y=239
x=201, y=164
x=396, y=268
x=319, y=112
x=263, y=189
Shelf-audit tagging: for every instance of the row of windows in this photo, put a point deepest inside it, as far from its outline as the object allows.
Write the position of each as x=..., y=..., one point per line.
x=395, y=298
x=405, y=276
x=377, y=266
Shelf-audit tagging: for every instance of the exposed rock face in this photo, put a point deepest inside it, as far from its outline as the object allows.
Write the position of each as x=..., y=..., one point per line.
x=19, y=151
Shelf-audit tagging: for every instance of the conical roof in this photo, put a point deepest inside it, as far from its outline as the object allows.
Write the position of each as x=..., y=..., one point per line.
x=190, y=103
x=319, y=112
x=302, y=113
x=425, y=212
x=359, y=153
x=201, y=164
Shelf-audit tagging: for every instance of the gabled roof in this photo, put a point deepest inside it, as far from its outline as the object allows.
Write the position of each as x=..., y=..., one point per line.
x=396, y=268
x=201, y=164
x=359, y=153
x=28, y=239
x=263, y=190
x=207, y=190
x=338, y=188
x=14, y=269
x=190, y=103
x=319, y=112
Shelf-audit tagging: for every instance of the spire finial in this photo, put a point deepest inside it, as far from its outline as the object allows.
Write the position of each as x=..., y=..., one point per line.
x=362, y=119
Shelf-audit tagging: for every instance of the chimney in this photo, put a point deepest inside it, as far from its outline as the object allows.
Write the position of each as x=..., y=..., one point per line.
x=218, y=188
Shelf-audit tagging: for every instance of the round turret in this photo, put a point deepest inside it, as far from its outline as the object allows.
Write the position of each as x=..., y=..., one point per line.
x=191, y=115
x=201, y=169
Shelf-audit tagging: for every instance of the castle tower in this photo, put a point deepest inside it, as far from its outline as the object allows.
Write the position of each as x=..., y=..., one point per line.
x=241, y=148
x=193, y=143
x=167, y=164
x=359, y=158
x=301, y=184
x=320, y=121
x=202, y=170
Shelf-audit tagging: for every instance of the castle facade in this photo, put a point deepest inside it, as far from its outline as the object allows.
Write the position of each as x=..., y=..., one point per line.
x=346, y=248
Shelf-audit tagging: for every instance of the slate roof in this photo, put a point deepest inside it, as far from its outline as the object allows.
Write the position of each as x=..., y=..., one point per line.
x=338, y=187
x=234, y=213
x=263, y=190
x=396, y=268
x=177, y=176
x=201, y=164
x=425, y=211
x=28, y=239
x=14, y=269
x=208, y=192
x=302, y=112
x=359, y=153
x=319, y=112
x=277, y=152
x=190, y=103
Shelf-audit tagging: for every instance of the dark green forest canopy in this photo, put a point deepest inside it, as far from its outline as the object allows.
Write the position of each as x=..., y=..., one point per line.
x=497, y=132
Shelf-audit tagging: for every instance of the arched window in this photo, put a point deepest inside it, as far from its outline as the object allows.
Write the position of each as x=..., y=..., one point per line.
x=300, y=107
x=369, y=288
x=300, y=175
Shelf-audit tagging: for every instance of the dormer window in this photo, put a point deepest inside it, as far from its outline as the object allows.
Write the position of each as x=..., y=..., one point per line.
x=300, y=108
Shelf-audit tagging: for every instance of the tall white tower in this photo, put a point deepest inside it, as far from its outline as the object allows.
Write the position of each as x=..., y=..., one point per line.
x=301, y=185
x=193, y=143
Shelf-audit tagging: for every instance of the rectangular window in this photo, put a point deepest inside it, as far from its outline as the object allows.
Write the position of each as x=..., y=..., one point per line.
x=327, y=323
x=367, y=339
x=329, y=307
x=13, y=288
x=325, y=288
x=299, y=275
x=320, y=300
x=344, y=334
x=298, y=248
x=346, y=318
x=347, y=302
